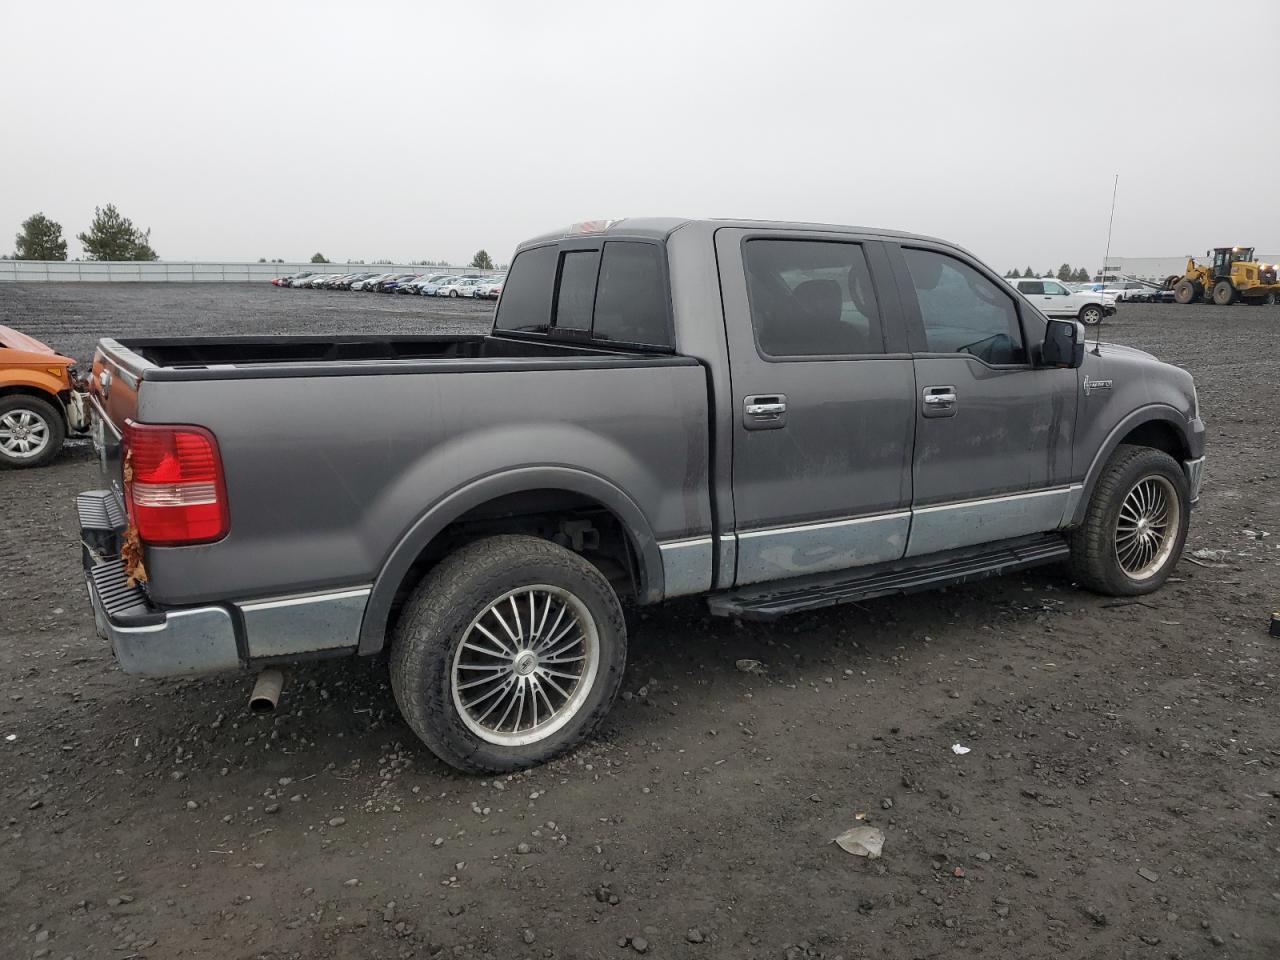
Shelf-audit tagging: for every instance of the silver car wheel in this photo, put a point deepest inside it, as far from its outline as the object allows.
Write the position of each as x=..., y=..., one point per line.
x=1147, y=527
x=23, y=434
x=525, y=665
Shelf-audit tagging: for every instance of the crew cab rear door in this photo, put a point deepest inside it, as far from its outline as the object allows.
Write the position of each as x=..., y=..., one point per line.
x=823, y=393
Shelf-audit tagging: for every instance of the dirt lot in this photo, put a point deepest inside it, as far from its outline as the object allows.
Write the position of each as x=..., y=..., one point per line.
x=1119, y=799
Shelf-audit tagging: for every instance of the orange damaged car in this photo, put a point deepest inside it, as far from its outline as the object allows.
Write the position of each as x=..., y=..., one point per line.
x=41, y=401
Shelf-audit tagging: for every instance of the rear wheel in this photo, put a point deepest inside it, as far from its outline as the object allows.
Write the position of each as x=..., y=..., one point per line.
x=1091, y=315
x=1135, y=525
x=509, y=653
x=1269, y=299
x=31, y=431
x=1223, y=292
x=1184, y=291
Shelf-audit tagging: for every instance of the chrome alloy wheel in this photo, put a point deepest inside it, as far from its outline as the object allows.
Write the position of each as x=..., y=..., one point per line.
x=1147, y=527
x=525, y=665
x=23, y=434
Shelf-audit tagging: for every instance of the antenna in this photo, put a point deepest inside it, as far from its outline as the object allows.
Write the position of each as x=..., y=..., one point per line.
x=1115, y=188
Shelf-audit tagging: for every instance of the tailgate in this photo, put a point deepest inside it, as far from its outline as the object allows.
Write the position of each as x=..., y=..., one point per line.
x=113, y=394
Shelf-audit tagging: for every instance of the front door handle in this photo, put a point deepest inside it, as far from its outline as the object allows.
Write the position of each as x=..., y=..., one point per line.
x=939, y=401
x=764, y=411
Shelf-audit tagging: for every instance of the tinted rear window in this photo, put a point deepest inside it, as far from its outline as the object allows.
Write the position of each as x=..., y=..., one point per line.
x=616, y=293
x=577, y=289
x=526, y=298
x=631, y=299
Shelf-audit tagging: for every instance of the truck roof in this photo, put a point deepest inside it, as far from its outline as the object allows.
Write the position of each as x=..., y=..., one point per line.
x=660, y=228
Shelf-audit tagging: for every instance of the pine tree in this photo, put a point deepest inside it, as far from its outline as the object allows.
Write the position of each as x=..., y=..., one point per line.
x=319, y=258
x=1065, y=272
x=113, y=237
x=482, y=261
x=40, y=239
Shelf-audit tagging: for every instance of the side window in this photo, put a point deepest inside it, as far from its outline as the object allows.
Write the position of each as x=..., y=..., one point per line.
x=811, y=298
x=1031, y=287
x=526, y=298
x=631, y=299
x=577, y=289
x=963, y=311
x=1056, y=289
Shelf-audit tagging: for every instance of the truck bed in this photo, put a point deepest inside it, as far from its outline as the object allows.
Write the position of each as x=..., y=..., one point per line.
x=333, y=448
x=235, y=357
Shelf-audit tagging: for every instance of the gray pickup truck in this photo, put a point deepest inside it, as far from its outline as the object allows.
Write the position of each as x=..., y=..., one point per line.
x=776, y=416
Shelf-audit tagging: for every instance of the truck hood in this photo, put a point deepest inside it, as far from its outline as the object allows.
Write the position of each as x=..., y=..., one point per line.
x=1116, y=349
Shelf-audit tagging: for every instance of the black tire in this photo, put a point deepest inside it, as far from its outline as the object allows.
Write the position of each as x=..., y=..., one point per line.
x=1095, y=560
x=27, y=413
x=1184, y=291
x=1223, y=293
x=1090, y=315
x=438, y=617
x=453, y=293
x=1269, y=299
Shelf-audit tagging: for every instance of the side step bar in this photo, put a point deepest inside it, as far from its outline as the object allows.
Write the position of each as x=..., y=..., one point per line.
x=880, y=580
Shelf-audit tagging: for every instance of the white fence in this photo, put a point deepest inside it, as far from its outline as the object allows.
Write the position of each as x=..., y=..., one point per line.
x=111, y=271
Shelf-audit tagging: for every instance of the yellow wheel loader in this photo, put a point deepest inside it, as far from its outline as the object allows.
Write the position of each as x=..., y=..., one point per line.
x=1231, y=276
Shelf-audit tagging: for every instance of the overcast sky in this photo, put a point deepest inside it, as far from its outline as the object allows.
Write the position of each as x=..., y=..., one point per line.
x=411, y=130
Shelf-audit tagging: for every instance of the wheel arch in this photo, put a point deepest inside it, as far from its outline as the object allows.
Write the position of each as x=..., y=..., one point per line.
x=483, y=498
x=51, y=393
x=1158, y=426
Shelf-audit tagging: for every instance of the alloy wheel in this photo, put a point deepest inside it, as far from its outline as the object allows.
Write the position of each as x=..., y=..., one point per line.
x=525, y=665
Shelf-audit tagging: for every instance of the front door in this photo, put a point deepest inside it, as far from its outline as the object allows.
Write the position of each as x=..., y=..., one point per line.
x=992, y=456
x=824, y=411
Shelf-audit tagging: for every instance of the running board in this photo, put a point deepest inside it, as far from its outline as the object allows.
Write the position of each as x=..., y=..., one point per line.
x=884, y=579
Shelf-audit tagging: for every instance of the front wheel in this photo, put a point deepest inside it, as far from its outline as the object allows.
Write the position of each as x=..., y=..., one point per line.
x=1091, y=315
x=31, y=431
x=1135, y=525
x=453, y=293
x=1184, y=291
x=509, y=653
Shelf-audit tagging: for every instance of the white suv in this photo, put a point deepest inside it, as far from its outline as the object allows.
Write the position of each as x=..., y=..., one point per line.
x=1055, y=300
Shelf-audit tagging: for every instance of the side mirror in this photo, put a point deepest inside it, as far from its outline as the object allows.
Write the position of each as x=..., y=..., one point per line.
x=1063, y=344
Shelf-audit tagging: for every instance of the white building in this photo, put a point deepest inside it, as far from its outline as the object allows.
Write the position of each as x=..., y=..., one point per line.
x=1157, y=268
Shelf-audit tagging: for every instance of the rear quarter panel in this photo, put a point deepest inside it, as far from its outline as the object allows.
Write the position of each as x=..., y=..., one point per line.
x=326, y=475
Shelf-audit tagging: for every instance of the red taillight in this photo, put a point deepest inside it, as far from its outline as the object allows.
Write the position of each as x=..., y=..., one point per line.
x=173, y=484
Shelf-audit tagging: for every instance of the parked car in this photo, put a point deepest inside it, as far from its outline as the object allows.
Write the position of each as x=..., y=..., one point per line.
x=888, y=415
x=1055, y=300
x=420, y=285
x=41, y=401
x=368, y=282
x=1134, y=290
x=433, y=286
x=285, y=281
x=458, y=287
x=393, y=284
x=489, y=288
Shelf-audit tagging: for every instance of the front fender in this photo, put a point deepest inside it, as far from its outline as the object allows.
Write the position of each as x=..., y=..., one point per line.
x=1190, y=431
x=524, y=479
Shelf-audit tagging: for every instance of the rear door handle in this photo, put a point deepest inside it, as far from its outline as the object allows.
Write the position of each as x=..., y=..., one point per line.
x=939, y=401
x=764, y=411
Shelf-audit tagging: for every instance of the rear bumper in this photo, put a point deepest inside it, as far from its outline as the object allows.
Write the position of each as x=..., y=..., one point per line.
x=159, y=641
x=144, y=638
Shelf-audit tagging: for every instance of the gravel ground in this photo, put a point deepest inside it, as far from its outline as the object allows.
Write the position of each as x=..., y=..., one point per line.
x=1119, y=799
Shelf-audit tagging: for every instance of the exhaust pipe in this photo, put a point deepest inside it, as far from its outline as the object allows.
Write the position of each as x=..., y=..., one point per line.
x=266, y=691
